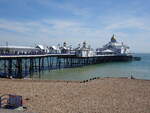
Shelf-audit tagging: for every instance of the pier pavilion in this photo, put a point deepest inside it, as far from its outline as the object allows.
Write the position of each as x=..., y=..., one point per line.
x=113, y=47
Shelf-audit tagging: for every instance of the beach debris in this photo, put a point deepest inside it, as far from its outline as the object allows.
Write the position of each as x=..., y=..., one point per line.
x=36, y=95
x=20, y=108
x=27, y=99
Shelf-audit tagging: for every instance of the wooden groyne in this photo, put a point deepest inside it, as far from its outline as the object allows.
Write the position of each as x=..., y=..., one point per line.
x=19, y=66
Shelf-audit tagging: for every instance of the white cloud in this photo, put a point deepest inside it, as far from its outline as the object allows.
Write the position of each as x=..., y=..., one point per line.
x=84, y=11
x=67, y=6
x=13, y=26
x=133, y=23
x=53, y=31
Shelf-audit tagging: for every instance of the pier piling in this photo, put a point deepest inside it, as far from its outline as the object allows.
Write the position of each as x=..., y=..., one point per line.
x=21, y=66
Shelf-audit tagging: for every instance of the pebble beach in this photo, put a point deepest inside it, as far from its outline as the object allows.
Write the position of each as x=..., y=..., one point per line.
x=102, y=95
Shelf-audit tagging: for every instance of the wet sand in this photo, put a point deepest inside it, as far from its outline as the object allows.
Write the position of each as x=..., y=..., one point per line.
x=104, y=95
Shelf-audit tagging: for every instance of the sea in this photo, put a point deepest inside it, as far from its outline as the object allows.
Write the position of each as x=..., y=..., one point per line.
x=138, y=69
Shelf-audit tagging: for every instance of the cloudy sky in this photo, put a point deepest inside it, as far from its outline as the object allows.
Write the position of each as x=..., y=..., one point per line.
x=49, y=22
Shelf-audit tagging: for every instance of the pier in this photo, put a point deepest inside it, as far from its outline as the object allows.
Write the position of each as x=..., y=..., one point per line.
x=20, y=66
x=21, y=61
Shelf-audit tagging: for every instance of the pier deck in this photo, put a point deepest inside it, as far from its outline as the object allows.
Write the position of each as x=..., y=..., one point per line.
x=34, y=56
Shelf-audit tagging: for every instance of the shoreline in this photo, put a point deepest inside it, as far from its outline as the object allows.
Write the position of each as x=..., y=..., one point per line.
x=68, y=81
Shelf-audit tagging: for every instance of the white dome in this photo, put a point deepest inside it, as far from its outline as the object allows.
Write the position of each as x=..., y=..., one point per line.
x=40, y=47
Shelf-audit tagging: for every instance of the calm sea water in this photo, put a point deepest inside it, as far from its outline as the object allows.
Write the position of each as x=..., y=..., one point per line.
x=139, y=69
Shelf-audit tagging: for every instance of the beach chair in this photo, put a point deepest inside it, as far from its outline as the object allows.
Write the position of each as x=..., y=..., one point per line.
x=10, y=101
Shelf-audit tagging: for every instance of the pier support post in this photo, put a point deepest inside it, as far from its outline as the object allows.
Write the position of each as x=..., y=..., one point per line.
x=19, y=63
x=9, y=68
x=5, y=67
x=48, y=63
x=39, y=65
x=43, y=63
x=51, y=62
x=31, y=67
x=35, y=65
x=26, y=66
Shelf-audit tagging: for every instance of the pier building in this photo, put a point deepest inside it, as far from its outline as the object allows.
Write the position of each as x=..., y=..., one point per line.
x=17, y=50
x=43, y=49
x=113, y=47
x=54, y=49
x=66, y=49
x=84, y=51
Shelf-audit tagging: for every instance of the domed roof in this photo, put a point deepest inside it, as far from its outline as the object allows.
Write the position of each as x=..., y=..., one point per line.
x=113, y=39
x=40, y=47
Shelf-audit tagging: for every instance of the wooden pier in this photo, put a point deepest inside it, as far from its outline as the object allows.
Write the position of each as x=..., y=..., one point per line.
x=20, y=66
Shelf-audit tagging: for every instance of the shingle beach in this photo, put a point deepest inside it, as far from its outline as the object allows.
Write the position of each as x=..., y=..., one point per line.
x=103, y=95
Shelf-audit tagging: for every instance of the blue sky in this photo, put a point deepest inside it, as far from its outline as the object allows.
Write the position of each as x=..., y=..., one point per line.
x=49, y=22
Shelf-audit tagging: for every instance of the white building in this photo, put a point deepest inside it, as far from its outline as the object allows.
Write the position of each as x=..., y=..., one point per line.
x=65, y=49
x=54, y=49
x=15, y=50
x=84, y=51
x=43, y=49
x=113, y=47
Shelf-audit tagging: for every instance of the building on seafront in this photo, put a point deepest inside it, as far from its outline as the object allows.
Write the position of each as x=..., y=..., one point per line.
x=84, y=51
x=42, y=49
x=64, y=49
x=113, y=47
x=54, y=49
x=21, y=50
